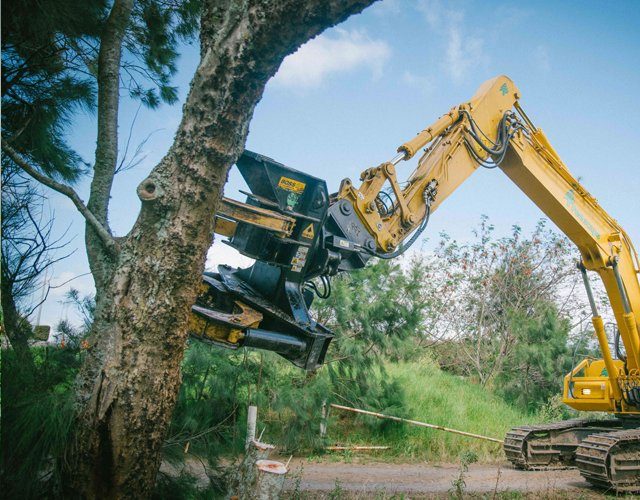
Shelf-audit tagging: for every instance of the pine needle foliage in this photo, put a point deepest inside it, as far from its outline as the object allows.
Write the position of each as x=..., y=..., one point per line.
x=37, y=415
x=152, y=40
x=50, y=52
x=182, y=487
x=534, y=371
x=388, y=355
x=44, y=82
x=376, y=313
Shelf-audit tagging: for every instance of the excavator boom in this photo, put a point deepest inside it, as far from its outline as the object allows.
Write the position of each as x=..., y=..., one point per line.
x=493, y=131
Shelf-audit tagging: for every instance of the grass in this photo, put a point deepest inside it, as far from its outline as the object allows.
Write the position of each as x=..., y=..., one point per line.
x=439, y=398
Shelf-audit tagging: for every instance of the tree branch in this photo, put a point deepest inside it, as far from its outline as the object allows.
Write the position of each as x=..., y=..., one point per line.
x=106, y=156
x=69, y=192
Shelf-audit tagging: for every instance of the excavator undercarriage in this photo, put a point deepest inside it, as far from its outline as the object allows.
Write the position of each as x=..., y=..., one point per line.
x=606, y=452
x=611, y=460
x=554, y=445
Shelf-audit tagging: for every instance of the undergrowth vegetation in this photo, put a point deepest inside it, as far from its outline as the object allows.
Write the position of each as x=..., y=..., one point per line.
x=479, y=344
x=37, y=410
x=438, y=398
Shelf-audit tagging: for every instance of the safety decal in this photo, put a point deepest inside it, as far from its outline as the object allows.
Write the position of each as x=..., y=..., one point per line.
x=308, y=232
x=299, y=259
x=291, y=185
x=292, y=200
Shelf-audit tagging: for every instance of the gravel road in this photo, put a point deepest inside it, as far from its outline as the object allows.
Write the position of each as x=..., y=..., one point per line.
x=365, y=480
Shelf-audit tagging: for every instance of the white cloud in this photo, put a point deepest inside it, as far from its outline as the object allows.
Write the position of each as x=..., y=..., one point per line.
x=464, y=52
x=326, y=55
x=433, y=12
x=510, y=17
x=220, y=253
x=542, y=59
x=423, y=83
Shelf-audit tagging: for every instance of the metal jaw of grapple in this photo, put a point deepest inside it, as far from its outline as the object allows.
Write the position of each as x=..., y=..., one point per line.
x=293, y=231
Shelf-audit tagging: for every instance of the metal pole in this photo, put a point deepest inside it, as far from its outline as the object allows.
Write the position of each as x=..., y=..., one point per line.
x=623, y=290
x=398, y=158
x=628, y=317
x=419, y=424
x=587, y=286
x=44, y=291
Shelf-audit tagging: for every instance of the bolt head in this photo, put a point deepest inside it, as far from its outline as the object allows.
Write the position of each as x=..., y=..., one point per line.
x=345, y=207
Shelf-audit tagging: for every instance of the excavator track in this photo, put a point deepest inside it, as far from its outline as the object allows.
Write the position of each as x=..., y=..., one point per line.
x=551, y=446
x=611, y=460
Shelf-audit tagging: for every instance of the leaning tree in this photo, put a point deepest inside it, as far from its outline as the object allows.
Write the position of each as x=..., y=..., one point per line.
x=146, y=281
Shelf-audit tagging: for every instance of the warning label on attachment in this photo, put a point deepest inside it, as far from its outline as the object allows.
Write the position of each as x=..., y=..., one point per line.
x=308, y=232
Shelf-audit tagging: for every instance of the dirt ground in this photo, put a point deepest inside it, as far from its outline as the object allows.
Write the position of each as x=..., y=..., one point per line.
x=355, y=480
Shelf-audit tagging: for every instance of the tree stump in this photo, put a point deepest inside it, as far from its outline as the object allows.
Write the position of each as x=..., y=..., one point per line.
x=270, y=478
x=256, y=479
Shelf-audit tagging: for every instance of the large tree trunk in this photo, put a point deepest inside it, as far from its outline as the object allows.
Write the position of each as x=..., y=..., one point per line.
x=129, y=383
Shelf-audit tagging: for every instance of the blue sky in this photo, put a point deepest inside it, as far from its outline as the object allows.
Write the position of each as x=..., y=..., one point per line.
x=347, y=99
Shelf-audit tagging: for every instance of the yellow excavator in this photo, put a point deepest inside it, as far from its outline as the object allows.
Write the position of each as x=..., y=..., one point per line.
x=300, y=236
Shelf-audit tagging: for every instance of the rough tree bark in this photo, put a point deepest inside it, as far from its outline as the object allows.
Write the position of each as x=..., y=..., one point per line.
x=129, y=383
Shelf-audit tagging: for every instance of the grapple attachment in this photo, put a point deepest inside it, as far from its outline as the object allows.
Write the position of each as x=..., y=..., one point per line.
x=295, y=233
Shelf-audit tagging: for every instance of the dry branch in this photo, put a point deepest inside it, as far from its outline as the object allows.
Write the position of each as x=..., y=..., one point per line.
x=416, y=422
x=67, y=191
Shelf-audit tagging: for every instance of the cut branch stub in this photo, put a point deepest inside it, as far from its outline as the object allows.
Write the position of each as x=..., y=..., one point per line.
x=148, y=190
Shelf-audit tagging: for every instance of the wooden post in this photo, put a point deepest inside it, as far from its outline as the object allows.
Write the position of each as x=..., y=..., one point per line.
x=260, y=450
x=252, y=417
x=323, y=422
x=256, y=477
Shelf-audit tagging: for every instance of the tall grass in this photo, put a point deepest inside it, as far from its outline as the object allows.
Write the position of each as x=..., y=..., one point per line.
x=37, y=419
x=439, y=398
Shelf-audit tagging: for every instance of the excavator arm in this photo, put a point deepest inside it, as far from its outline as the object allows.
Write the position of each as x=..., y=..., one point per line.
x=493, y=131
x=298, y=233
